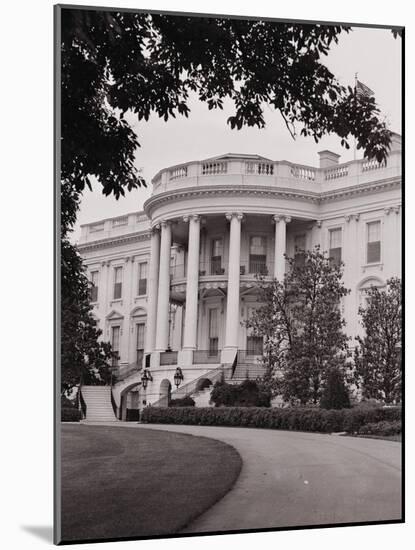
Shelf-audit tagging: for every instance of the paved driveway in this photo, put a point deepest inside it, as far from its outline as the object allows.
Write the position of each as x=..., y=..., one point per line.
x=296, y=478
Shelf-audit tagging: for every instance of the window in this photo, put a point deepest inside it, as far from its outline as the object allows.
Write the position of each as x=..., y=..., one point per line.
x=142, y=278
x=335, y=245
x=258, y=255
x=216, y=257
x=117, y=283
x=373, y=242
x=115, y=344
x=299, y=249
x=94, y=286
x=140, y=329
x=254, y=345
x=213, y=332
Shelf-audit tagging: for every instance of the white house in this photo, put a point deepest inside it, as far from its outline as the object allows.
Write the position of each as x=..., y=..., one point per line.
x=177, y=281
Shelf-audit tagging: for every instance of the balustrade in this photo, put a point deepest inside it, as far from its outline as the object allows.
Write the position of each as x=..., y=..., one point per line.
x=168, y=358
x=214, y=168
x=178, y=172
x=123, y=220
x=372, y=164
x=260, y=168
x=204, y=357
x=337, y=172
x=303, y=172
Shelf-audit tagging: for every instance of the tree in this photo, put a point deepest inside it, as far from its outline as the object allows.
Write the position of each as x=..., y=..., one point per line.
x=83, y=358
x=335, y=394
x=302, y=325
x=117, y=62
x=378, y=353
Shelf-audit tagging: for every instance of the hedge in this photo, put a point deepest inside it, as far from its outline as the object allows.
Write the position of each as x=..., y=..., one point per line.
x=296, y=418
x=70, y=414
x=382, y=428
x=132, y=415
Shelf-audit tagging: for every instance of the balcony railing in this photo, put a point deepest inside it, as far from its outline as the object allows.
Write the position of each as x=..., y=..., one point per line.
x=260, y=168
x=168, y=358
x=220, y=269
x=214, y=168
x=120, y=373
x=205, y=357
x=248, y=356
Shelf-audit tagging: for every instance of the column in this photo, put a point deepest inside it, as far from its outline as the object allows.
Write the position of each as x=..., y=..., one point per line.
x=162, y=323
x=192, y=283
x=232, y=308
x=280, y=245
x=316, y=235
x=152, y=290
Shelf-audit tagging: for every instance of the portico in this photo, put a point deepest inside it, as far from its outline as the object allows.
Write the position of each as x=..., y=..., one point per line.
x=220, y=256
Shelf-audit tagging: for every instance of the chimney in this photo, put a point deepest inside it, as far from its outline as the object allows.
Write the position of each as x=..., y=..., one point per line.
x=328, y=159
x=396, y=142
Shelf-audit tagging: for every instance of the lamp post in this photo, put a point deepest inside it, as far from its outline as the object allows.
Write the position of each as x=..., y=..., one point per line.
x=146, y=377
x=178, y=377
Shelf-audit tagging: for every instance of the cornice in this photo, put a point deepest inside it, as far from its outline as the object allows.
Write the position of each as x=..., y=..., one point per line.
x=115, y=241
x=317, y=197
x=360, y=189
x=227, y=190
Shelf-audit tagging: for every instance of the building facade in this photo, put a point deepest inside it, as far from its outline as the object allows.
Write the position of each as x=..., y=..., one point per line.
x=177, y=281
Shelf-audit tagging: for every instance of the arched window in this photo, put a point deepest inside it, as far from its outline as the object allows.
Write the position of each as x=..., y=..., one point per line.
x=364, y=286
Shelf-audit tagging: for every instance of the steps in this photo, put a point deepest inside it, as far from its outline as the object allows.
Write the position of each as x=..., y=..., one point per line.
x=98, y=404
x=247, y=370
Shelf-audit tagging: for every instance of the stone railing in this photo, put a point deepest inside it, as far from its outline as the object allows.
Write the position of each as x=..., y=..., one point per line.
x=122, y=220
x=260, y=168
x=373, y=164
x=303, y=172
x=93, y=228
x=244, y=171
x=214, y=168
x=178, y=172
x=340, y=171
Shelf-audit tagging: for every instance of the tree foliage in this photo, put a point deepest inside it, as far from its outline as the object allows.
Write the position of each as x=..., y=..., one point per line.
x=118, y=62
x=378, y=353
x=83, y=358
x=246, y=394
x=335, y=393
x=302, y=325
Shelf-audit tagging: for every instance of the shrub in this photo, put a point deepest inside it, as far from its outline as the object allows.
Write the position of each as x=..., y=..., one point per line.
x=133, y=415
x=382, y=428
x=184, y=402
x=246, y=394
x=294, y=418
x=70, y=414
x=335, y=394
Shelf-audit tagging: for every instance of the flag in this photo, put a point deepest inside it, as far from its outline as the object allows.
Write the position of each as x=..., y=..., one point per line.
x=362, y=90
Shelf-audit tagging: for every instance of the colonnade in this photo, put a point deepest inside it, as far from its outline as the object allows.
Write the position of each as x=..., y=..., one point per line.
x=157, y=333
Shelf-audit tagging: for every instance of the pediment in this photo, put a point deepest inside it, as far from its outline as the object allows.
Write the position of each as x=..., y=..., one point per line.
x=114, y=315
x=372, y=280
x=238, y=156
x=138, y=311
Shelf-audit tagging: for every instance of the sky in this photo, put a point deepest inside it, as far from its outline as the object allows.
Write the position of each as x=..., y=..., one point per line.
x=374, y=54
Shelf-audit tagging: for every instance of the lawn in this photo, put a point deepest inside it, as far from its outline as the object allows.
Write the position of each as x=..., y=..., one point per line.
x=120, y=482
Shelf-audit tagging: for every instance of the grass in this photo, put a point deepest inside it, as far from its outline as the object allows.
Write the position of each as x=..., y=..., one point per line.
x=126, y=482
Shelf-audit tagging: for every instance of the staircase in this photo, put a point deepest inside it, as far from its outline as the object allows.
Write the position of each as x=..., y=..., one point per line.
x=187, y=390
x=247, y=370
x=98, y=404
